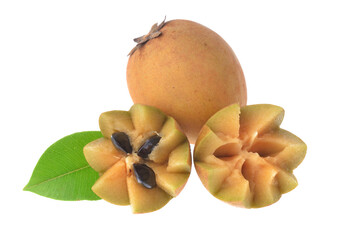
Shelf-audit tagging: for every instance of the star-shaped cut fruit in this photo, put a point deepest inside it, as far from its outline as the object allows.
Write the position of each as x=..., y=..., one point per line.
x=143, y=159
x=244, y=158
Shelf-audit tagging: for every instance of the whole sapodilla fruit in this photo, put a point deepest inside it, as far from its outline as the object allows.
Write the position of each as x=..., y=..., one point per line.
x=186, y=70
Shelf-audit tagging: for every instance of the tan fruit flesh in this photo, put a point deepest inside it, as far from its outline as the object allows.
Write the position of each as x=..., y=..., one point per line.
x=169, y=159
x=244, y=158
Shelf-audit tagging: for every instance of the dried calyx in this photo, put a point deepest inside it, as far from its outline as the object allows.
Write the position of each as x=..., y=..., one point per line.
x=153, y=33
x=143, y=173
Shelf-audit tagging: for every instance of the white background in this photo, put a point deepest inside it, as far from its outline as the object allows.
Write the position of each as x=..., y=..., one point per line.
x=62, y=63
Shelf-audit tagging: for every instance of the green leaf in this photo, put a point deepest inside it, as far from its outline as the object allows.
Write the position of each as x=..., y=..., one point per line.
x=62, y=172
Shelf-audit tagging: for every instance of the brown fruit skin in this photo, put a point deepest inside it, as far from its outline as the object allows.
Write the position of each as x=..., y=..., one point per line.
x=189, y=72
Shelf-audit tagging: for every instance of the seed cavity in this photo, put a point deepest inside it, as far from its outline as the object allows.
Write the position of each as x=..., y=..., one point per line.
x=148, y=146
x=144, y=175
x=121, y=141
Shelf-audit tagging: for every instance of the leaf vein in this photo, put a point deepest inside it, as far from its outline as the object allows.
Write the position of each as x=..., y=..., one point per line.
x=59, y=176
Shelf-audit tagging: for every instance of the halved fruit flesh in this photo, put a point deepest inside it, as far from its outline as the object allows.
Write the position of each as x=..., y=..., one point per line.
x=260, y=118
x=226, y=122
x=145, y=200
x=147, y=118
x=171, y=137
x=112, y=185
x=134, y=144
x=170, y=182
x=115, y=121
x=179, y=160
x=212, y=175
x=244, y=158
x=102, y=149
x=235, y=190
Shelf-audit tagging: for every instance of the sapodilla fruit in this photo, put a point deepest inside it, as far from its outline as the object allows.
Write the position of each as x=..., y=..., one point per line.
x=244, y=158
x=186, y=70
x=144, y=159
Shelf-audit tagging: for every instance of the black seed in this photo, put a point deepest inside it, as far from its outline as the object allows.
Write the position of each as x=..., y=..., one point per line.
x=144, y=175
x=121, y=141
x=148, y=146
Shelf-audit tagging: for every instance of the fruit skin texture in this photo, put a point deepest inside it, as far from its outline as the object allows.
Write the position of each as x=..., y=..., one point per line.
x=169, y=159
x=189, y=72
x=244, y=158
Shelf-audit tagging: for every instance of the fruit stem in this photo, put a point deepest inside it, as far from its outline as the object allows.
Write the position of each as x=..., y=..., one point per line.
x=153, y=33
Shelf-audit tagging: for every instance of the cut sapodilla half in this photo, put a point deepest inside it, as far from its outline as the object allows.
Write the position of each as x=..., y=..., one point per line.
x=244, y=158
x=144, y=160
